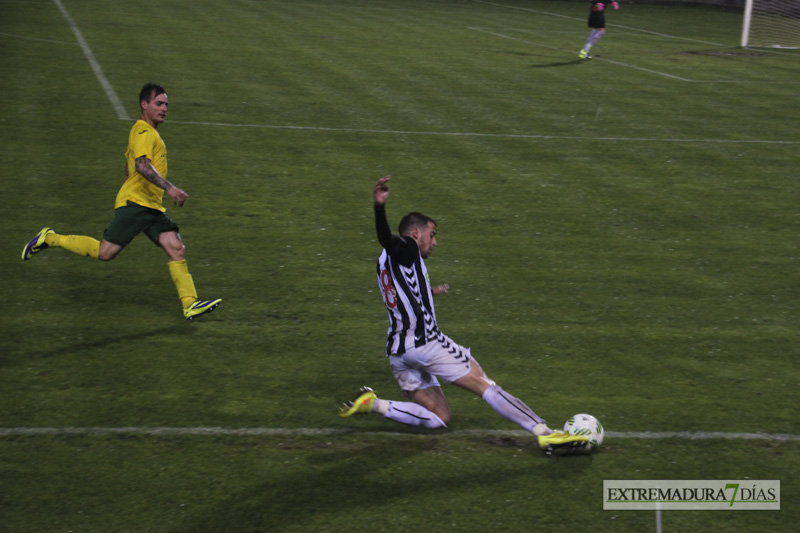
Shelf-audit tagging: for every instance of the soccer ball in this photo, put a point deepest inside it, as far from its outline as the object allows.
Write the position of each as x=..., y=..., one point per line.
x=583, y=424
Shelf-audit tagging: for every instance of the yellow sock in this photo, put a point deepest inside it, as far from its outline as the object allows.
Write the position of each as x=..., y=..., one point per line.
x=183, y=282
x=77, y=244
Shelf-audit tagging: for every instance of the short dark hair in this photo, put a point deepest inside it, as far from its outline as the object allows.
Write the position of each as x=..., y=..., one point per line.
x=414, y=220
x=150, y=91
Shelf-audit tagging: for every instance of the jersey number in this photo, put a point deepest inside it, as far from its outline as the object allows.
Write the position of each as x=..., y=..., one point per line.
x=389, y=294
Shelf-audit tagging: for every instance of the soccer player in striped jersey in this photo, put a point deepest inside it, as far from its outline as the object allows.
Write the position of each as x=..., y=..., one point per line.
x=419, y=353
x=139, y=207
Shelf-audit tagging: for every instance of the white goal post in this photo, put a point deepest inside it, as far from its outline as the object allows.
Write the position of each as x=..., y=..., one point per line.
x=771, y=24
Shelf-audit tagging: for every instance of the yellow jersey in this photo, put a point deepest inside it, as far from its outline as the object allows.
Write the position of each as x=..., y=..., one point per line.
x=143, y=140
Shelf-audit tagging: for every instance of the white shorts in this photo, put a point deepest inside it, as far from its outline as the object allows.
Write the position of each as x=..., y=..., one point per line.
x=418, y=368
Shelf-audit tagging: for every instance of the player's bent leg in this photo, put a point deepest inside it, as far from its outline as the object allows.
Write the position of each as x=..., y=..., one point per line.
x=107, y=250
x=433, y=400
x=77, y=244
x=413, y=414
x=409, y=413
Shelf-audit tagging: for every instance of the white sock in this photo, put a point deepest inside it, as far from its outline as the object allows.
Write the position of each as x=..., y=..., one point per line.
x=412, y=414
x=380, y=406
x=594, y=36
x=511, y=408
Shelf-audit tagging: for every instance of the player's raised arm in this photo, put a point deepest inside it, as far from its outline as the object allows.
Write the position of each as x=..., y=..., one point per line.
x=392, y=243
x=381, y=191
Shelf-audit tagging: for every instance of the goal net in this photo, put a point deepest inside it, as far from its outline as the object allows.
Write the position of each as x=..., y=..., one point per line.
x=771, y=24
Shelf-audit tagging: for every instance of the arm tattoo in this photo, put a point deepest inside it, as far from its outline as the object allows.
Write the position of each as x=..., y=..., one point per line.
x=146, y=169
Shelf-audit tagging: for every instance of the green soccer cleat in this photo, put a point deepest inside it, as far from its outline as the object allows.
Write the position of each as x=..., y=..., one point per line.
x=362, y=404
x=584, y=55
x=36, y=244
x=201, y=307
x=560, y=442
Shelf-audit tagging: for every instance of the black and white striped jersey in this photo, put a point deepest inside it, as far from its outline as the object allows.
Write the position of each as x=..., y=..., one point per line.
x=406, y=290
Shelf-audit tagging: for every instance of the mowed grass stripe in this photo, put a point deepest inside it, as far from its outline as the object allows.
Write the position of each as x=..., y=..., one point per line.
x=479, y=134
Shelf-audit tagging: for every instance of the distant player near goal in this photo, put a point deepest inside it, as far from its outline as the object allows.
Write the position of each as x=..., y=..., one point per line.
x=138, y=207
x=419, y=353
x=597, y=23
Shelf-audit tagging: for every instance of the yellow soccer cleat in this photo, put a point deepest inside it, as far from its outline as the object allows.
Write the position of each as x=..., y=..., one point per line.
x=362, y=404
x=201, y=307
x=561, y=442
x=36, y=244
x=584, y=55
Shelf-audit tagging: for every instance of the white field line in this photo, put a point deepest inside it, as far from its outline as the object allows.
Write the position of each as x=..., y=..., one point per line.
x=626, y=65
x=123, y=115
x=323, y=432
x=609, y=25
x=489, y=135
x=98, y=72
x=657, y=73
x=629, y=28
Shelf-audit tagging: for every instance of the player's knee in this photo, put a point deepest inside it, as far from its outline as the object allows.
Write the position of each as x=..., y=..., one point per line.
x=443, y=416
x=106, y=254
x=437, y=421
x=172, y=244
x=176, y=252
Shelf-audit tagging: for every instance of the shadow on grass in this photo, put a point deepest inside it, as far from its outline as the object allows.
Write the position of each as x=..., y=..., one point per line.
x=338, y=483
x=560, y=64
x=558, y=467
x=343, y=486
x=545, y=65
x=110, y=339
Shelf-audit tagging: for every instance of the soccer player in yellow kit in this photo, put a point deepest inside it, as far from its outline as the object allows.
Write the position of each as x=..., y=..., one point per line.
x=138, y=207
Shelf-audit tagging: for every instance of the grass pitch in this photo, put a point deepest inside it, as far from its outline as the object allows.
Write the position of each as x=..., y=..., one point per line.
x=620, y=238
